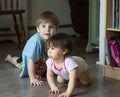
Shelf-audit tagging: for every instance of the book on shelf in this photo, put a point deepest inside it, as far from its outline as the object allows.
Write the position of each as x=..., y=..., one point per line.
x=107, y=52
x=115, y=13
x=114, y=45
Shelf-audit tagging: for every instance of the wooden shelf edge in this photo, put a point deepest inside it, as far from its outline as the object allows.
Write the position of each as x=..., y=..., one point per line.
x=112, y=72
x=113, y=29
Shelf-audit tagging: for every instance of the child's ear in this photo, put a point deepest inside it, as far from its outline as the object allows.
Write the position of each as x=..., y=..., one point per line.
x=37, y=28
x=65, y=51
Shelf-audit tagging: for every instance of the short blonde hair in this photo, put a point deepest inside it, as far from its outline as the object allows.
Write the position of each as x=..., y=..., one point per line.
x=48, y=16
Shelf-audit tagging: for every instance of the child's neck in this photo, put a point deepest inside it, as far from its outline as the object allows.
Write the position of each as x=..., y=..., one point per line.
x=59, y=63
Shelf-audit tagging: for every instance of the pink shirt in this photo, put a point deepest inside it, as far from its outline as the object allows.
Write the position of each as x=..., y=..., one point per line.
x=69, y=64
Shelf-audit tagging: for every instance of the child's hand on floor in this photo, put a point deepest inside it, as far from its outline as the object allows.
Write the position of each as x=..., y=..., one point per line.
x=65, y=94
x=55, y=90
x=36, y=82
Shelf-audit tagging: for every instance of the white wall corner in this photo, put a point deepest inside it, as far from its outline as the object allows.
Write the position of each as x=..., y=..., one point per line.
x=102, y=32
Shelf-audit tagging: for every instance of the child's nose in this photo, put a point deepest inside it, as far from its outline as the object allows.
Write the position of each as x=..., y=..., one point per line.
x=47, y=27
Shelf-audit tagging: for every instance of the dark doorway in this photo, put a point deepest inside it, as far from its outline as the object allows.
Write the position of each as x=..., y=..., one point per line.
x=80, y=16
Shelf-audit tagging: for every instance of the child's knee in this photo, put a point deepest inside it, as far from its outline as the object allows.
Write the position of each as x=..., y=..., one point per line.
x=60, y=79
x=85, y=78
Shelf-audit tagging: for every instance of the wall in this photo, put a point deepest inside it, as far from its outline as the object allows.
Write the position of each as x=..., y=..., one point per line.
x=60, y=7
x=102, y=32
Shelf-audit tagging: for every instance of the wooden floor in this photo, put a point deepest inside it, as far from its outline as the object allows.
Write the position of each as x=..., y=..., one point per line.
x=13, y=86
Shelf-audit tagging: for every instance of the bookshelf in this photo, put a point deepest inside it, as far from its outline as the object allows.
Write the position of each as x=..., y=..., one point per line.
x=110, y=31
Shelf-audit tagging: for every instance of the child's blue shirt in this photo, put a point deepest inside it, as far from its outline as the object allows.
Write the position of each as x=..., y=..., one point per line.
x=34, y=49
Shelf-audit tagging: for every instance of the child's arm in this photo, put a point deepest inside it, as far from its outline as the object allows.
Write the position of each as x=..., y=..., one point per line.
x=31, y=70
x=71, y=84
x=51, y=82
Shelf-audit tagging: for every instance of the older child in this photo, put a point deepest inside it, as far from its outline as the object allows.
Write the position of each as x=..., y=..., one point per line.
x=34, y=53
x=66, y=67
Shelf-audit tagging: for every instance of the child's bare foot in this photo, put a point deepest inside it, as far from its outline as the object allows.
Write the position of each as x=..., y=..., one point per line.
x=8, y=57
x=11, y=59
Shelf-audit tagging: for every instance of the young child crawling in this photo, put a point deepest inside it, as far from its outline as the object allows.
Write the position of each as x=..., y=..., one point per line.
x=67, y=68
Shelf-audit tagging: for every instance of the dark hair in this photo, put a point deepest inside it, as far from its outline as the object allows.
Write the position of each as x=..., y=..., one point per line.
x=61, y=40
x=48, y=16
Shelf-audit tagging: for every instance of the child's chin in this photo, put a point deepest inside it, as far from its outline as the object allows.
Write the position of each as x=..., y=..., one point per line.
x=45, y=38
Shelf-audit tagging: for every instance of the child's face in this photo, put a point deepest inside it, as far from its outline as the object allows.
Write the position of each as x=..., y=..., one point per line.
x=56, y=53
x=46, y=30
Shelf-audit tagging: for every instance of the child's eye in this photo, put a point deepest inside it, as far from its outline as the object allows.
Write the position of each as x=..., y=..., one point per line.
x=52, y=48
x=43, y=26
